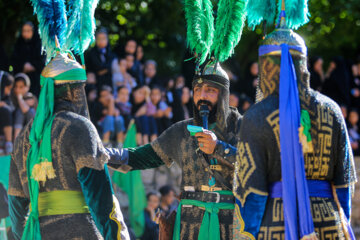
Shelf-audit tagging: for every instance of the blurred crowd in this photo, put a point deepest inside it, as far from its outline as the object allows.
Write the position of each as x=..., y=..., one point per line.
x=123, y=87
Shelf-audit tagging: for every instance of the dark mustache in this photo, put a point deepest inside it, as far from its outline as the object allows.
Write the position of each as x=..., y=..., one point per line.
x=204, y=102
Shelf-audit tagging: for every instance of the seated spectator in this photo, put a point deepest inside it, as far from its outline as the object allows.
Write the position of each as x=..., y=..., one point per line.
x=354, y=133
x=168, y=202
x=31, y=100
x=23, y=113
x=170, y=92
x=120, y=75
x=355, y=84
x=99, y=59
x=105, y=117
x=122, y=103
x=183, y=108
x=139, y=110
x=151, y=231
x=150, y=114
x=150, y=74
x=316, y=73
x=6, y=110
x=163, y=114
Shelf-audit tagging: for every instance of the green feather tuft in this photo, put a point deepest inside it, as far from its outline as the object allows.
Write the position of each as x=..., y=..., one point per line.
x=259, y=10
x=297, y=13
x=200, y=27
x=80, y=32
x=229, y=26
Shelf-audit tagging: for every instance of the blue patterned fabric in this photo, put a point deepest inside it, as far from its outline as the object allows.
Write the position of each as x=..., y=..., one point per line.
x=344, y=196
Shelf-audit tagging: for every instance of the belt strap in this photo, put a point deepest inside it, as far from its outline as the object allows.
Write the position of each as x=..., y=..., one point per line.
x=210, y=227
x=317, y=188
x=214, y=197
x=61, y=202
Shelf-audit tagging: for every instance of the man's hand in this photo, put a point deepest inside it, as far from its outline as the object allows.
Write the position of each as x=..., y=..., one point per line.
x=207, y=141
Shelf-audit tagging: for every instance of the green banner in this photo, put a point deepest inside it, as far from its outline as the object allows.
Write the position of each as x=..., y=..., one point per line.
x=5, y=170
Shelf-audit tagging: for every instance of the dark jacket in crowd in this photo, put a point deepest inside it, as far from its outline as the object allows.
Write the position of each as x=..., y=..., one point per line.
x=95, y=63
x=29, y=51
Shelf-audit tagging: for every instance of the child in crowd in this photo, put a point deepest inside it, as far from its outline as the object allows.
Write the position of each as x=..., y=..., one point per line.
x=163, y=113
x=105, y=117
x=144, y=126
x=120, y=75
x=6, y=110
x=354, y=133
x=151, y=230
x=123, y=105
x=23, y=113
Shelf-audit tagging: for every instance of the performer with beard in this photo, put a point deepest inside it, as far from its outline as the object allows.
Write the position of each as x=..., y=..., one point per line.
x=207, y=204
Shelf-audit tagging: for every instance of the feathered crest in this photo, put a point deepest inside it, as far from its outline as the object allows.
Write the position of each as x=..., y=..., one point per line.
x=229, y=25
x=200, y=27
x=297, y=13
x=74, y=34
x=51, y=15
x=81, y=25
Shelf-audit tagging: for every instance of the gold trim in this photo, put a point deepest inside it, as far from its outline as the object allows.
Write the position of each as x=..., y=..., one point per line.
x=278, y=53
x=112, y=217
x=242, y=223
x=343, y=219
x=247, y=192
x=68, y=81
x=215, y=167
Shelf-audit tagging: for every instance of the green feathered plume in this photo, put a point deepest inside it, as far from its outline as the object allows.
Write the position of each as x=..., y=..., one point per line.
x=81, y=25
x=229, y=25
x=297, y=13
x=200, y=27
x=259, y=10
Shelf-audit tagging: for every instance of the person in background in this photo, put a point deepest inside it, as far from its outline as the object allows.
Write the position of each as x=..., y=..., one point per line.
x=168, y=202
x=100, y=58
x=23, y=113
x=251, y=81
x=316, y=73
x=355, y=84
x=245, y=103
x=337, y=83
x=354, y=133
x=139, y=64
x=183, y=107
x=123, y=105
x=150, y=73
x=27, y=57
x=6, y=110
x=120, y=75
x=151, y=111
x=139, y=111
x=151, y=231
x=163, y=113
x=31, y=100
x=234, y=101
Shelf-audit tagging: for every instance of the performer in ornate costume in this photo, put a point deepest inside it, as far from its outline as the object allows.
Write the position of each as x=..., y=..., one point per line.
x=206, y=159
x=57, y=171
x=295, y=171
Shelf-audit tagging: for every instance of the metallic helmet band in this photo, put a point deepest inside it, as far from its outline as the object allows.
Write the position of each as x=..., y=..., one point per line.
x=212, y=79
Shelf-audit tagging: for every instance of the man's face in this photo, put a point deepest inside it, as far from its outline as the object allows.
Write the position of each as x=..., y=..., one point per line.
x=101, y=40
x=20, y=88
x=205, y=94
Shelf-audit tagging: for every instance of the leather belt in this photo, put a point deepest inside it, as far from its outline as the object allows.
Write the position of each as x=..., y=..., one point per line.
x=208, y=197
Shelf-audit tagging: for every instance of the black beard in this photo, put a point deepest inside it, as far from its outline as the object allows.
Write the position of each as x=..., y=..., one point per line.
x=212, y=113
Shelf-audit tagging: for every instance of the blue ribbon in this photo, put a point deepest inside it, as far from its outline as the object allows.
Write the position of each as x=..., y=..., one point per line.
x=317, y=188
x=296, y=201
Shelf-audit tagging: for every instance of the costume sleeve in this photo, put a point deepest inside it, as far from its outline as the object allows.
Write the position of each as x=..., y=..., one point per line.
x=137, y=158
x=103, y=205
x=85, y=145
x=18, y=210
x=15, y=186
x=250, y=183
x=344, y=172
x=167, y=145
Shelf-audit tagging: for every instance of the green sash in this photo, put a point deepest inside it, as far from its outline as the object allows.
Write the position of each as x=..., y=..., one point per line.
x=61, y=202
x=210, y=227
